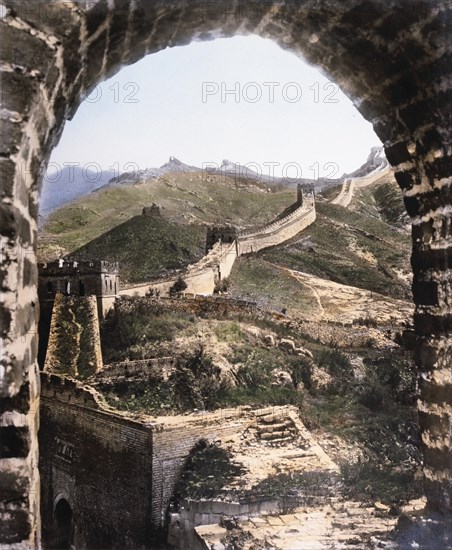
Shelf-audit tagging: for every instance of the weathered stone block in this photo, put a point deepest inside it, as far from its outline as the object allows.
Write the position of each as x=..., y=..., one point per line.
x=416, y=114
x=7, y=171
x=20, y=48
x=15, y=522
x=96, y=52
x=96, y=16
x=17, y=92
x=10, y=137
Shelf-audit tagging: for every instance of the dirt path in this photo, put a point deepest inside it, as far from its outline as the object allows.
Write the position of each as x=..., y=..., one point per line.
x=343, y=303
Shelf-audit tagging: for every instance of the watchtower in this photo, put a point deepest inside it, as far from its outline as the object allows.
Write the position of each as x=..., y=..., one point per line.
x=72, y=277
x=225, y=234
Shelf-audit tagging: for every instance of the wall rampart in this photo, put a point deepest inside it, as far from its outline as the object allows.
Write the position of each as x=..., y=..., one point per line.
x=122, y=468
x=138, y=369
x=217, y=264
x=279, y=231
x=345, y=196
x=200, y=277
x=74, y=339
x=202, y=306
x=101, y=461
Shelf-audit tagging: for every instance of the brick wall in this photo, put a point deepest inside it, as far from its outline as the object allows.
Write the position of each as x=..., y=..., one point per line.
x=392, y=58
x=203, y=306
x=108, y=480
x=345, y=196
x=279, y=231
x=202, y=276
x=173, y=443
x=120, y=472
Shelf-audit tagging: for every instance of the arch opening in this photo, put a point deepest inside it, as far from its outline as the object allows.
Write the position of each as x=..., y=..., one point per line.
x=63, y=528
x=380, y=61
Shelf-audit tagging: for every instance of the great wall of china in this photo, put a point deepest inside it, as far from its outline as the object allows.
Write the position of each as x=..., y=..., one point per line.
x=345, y=196
x=56, y=53
x=219, y=261
x=150, y=452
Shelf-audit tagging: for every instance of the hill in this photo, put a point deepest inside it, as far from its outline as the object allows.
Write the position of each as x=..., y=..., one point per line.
x=330, y=348
x=147, y=247
x=363, y=246
x=342, y=246
x=366, y=246
x=184, y=198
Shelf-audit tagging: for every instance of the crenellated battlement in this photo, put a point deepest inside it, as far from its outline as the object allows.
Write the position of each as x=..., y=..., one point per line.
x=72, y=265
x=69, y=390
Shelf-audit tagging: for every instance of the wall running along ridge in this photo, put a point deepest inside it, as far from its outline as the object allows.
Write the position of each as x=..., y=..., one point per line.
x=279, y=231
x=392, y=58
x=202, y=276
x=345, y=196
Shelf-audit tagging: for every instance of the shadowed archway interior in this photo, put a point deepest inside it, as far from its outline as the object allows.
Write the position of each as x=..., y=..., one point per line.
x=392, y=58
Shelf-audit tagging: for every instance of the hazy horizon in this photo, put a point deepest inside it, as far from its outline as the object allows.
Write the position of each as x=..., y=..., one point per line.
x=243, y=99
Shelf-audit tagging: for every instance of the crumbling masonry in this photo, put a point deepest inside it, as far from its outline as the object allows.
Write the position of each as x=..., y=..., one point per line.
x=392, y=58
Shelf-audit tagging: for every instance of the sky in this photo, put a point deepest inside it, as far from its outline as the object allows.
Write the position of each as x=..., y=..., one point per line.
x=243, y=99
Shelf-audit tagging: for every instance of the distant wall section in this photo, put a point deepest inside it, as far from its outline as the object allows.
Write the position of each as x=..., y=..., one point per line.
x=202, y=277
x=345, y=196
x=280, y=230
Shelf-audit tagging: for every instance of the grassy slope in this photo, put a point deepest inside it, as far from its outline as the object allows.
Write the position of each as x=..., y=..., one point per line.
x=332, y=248
x=382, y=201
x=184, y=198
x=372, y=408
x=270, y=287
x=147, y=247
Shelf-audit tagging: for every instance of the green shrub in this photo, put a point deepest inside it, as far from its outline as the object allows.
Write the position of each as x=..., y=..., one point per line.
x=371, y=397
x=221, y=285
x=301, y=369
x=127, y=334
x=369, y=481
x=229, y=331
x=207, y=470
x=151, y=396
x=262, y=396
x=396, y=373
x=335, y=362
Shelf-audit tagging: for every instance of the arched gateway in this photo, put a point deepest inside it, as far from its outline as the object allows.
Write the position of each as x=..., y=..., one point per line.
x=392, y=58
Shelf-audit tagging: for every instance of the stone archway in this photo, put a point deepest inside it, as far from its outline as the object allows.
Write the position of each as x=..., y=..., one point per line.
x=392, y=58
x=63, y=524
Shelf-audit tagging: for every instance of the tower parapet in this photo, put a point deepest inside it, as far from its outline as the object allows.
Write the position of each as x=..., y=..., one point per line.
x=78, y=278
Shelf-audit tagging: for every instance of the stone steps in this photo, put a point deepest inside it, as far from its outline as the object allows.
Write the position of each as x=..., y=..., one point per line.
x=275, y=427
x=275, y=430
x=277, y=436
